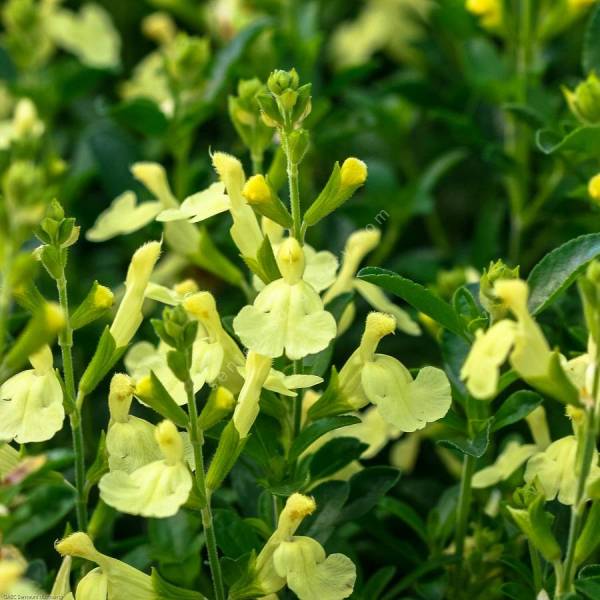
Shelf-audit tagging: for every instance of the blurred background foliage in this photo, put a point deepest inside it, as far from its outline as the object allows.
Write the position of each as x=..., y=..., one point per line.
x=428, y=93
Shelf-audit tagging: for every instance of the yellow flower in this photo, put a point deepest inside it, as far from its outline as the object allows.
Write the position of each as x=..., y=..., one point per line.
x=160, y=27
x=31, y=406
x=300, y=561
x=555, y=471
x=118, y=578
x=129, y=314
x=511, y=458
x=157, y=489
x=287, y=315
x=384, y=381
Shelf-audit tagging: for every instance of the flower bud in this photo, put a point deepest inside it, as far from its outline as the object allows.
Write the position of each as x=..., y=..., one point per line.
x=26, y=122
x=98, y=300
x=169, y=442
x=262, y=197
x=279, y=81
x=42, y=329
x=220, y=403
x=487, y=295
x=594, y=188
x=584, y=102
x=159, y=27
x=120, y=396
x=290, y=260
x=353, y=172
x=129, y=314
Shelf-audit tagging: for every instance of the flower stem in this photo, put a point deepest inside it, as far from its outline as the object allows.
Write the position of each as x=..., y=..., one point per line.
x=197, y=440
x=586, y=456
x=292, y=174
x=5, y=293
x=65, y=342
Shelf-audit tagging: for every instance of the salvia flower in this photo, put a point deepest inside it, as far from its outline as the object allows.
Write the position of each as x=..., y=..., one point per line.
x=554, y=470
x=31, y=402
x=301, y=562
x=287, y=315
x=405, y=403
x=113, y=577
x=157, y=489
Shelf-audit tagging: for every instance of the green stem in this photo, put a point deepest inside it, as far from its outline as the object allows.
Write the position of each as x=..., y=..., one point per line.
x=536, y=566
x=586, y=456
x=292, y=174
x=197, y=440
x=518, y=144
x=257, y=163
x=298, y=402
x=464, y=504
x=65, y=341
x=5, y=293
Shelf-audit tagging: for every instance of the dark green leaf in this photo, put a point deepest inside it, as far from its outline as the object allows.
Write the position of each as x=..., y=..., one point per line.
x=416, y=295
x=591, y=43
x=559, y=269
x=366, y=488
x=473, y=447
x=406, y=513
x=378, y=582
x=315, y=430
x=330, y=497
x=516, y=407
x=335, y=455
x=142, y=115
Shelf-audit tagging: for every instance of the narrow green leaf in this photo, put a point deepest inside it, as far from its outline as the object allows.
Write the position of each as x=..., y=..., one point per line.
x=416, y=295
x=559, y=269
x=591, y=43
x=516, y=407
x=315, y=430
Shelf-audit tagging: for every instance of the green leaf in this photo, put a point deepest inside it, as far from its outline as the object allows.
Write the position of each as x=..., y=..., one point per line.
x=315, y=430
x=591, y=43
x=406, y=513
x=235, y=536
x=98, y=467
x=559, y=269
x=142, y=115
x=168, y=591
x=176, y=538
x=585, y=140
x=366, y=488
x=335, y=455
x=516, y=407
x=43, y=509
x=473, y=447
x=416, y=295
x=378, y=582
x=162, y=402
x=330, y=497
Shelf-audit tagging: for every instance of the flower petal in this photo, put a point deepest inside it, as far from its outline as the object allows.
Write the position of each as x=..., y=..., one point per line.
x=404, y=403
x=312, y=576
x=123, y=216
